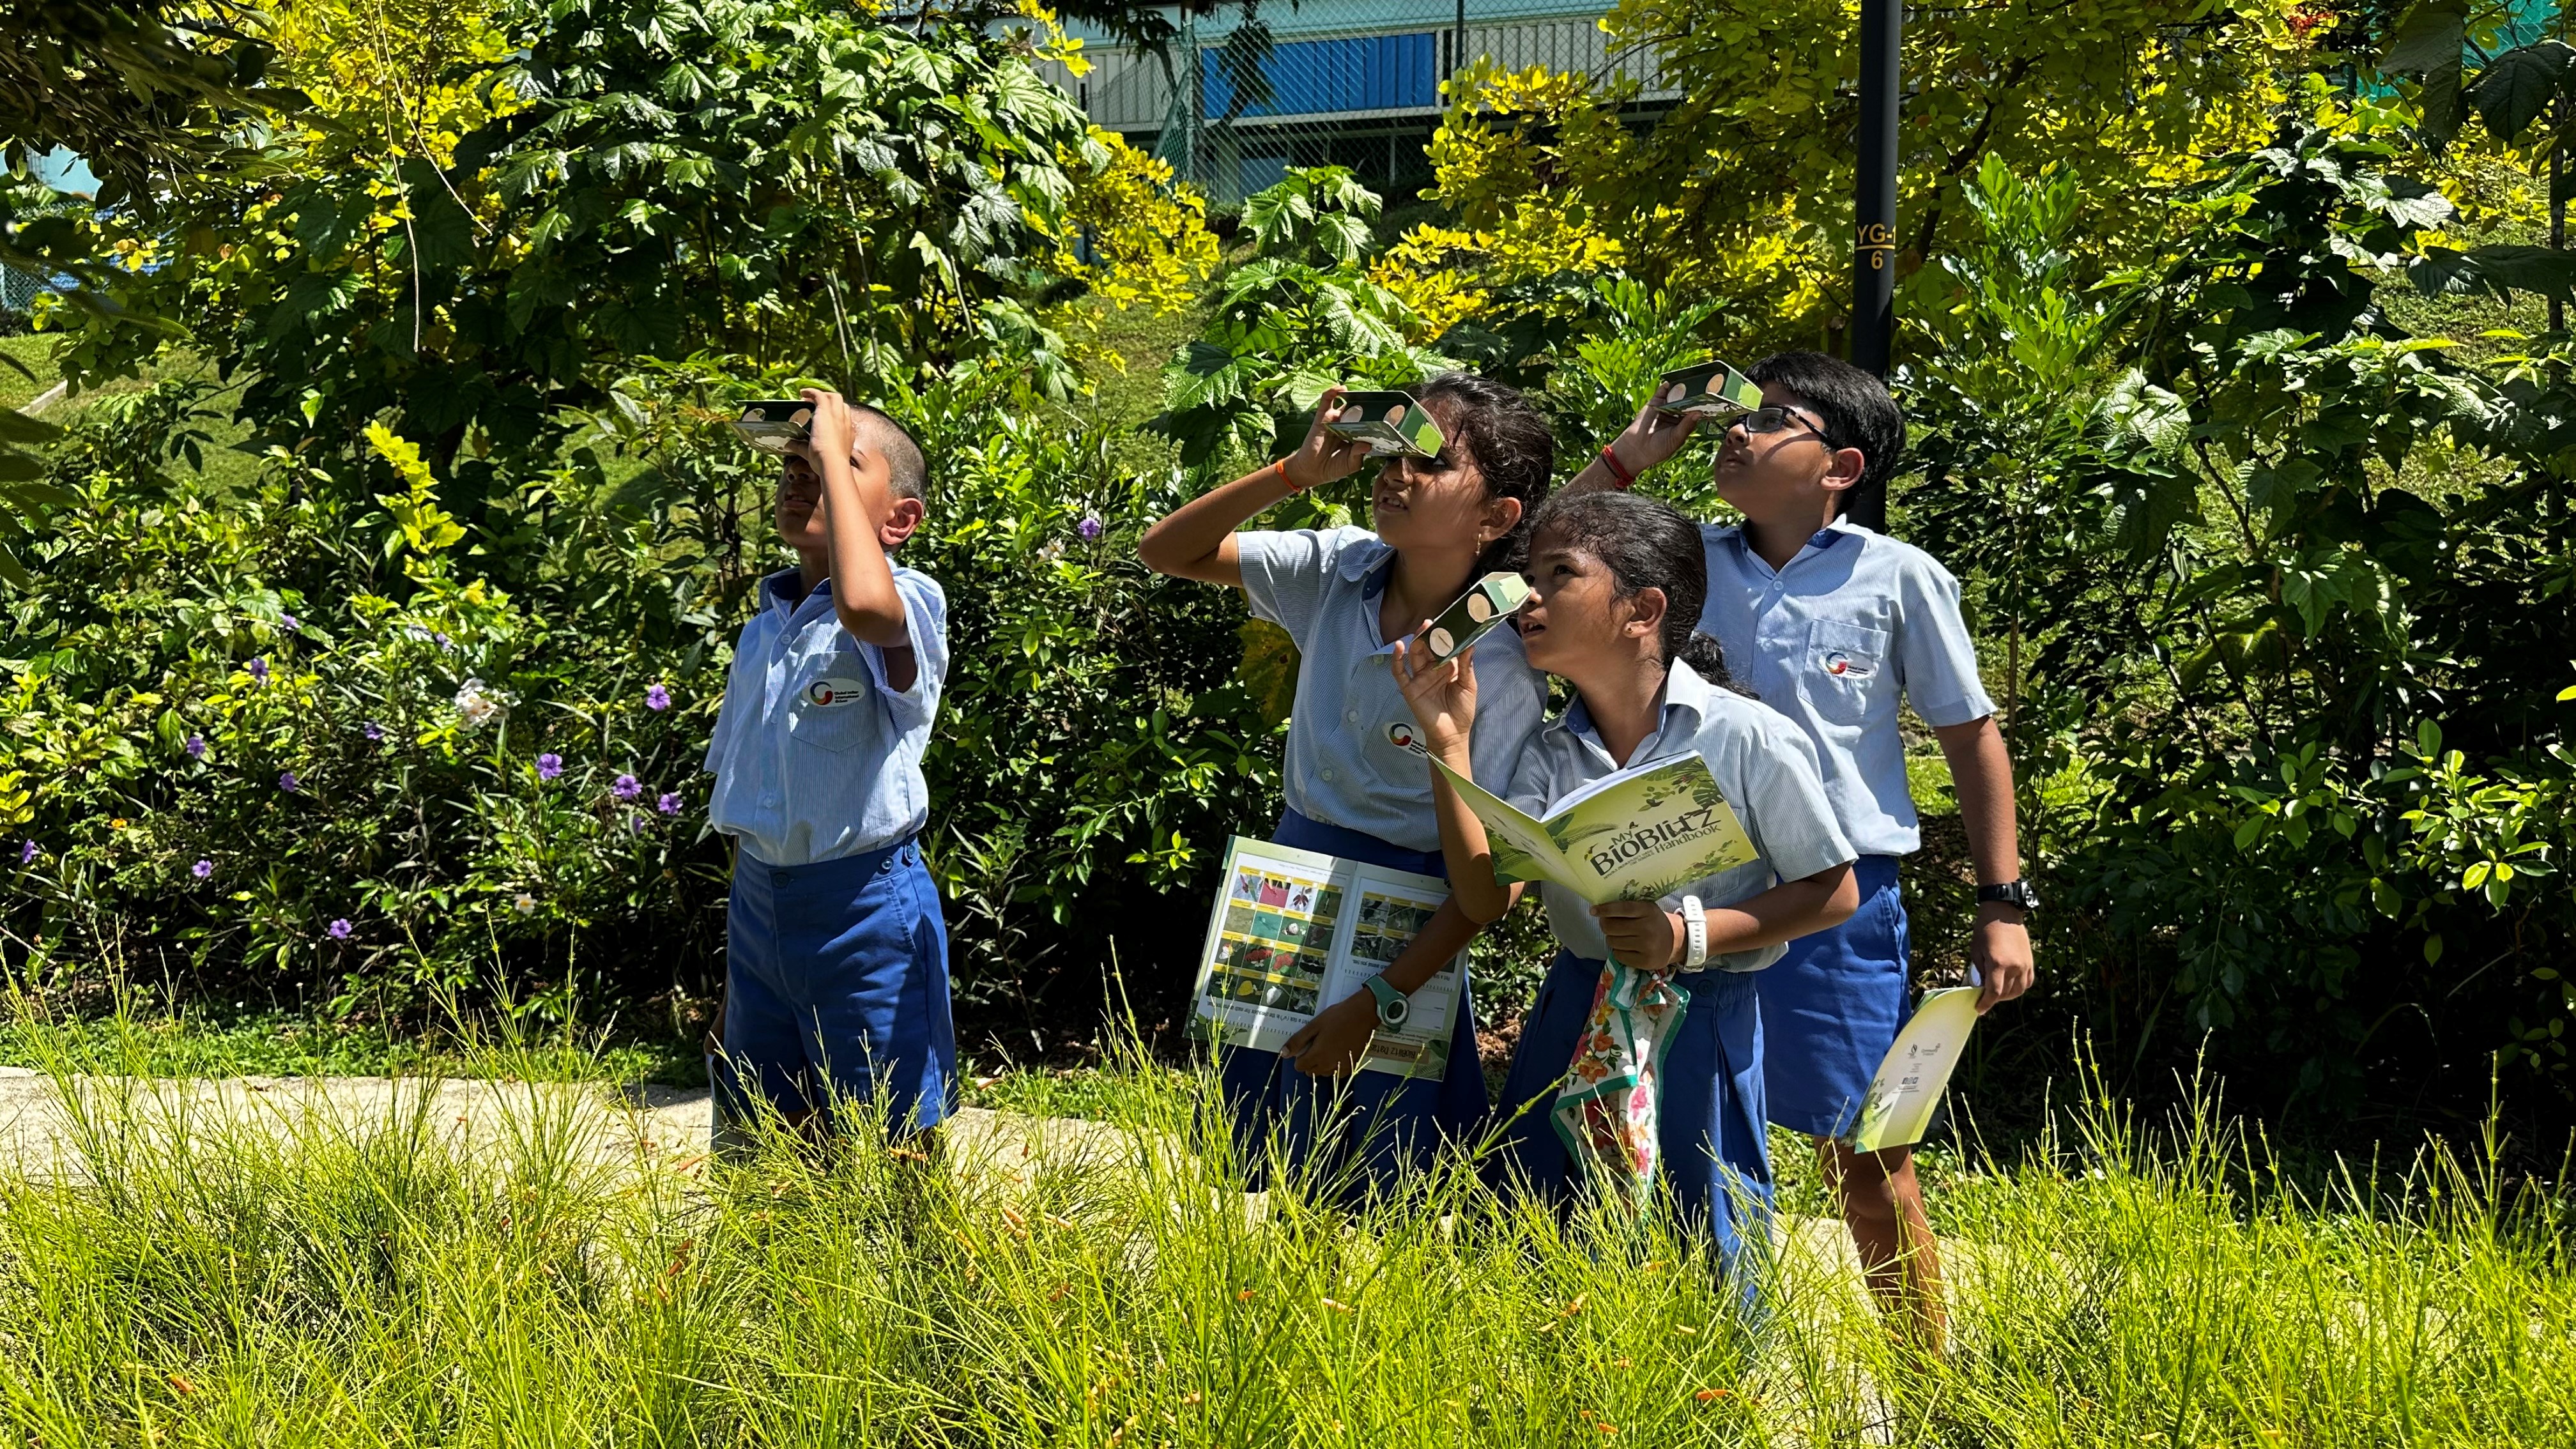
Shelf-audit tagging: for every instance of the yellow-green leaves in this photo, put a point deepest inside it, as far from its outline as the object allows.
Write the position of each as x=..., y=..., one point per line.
x=419, y=521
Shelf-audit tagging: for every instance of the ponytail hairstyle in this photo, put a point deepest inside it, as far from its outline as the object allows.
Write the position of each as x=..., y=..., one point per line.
x=1514, y=449
x=1646, y=543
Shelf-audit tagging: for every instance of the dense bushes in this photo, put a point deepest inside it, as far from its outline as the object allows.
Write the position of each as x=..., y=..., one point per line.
x=2279, y=609
x=396, y=771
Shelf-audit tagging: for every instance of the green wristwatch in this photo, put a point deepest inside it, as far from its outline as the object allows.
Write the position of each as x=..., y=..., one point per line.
x=1392, y=1005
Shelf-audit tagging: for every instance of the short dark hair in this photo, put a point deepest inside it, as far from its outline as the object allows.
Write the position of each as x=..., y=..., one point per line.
x=1645, y=543
x=910, y=471
x=1514, y=449
x=1853, y=406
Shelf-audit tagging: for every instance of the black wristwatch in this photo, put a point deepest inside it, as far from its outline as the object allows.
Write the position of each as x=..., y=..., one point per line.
x=2014, y=893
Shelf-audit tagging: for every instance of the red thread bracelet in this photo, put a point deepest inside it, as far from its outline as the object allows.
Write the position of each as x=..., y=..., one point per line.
x=1626, y=478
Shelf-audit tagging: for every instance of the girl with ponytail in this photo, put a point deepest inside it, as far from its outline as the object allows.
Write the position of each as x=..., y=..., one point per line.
x=1358, y=781
x=1619, y=581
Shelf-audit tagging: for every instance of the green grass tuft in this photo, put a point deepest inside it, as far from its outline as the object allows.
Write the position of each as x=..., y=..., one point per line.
x=193, y=1278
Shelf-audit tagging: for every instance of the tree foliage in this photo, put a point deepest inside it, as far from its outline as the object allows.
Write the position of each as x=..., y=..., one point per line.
x=2273, y=598
x=1740, y=191
x=495, y=213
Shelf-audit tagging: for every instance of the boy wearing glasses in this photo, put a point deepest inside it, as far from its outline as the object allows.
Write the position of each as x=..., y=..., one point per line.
x=1830, y=623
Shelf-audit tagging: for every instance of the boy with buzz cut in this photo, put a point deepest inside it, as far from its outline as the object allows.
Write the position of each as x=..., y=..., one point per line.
x=1829, y=623
x=836, y=969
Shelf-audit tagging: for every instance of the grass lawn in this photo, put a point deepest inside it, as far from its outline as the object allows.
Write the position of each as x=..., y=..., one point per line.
x=327, y=1287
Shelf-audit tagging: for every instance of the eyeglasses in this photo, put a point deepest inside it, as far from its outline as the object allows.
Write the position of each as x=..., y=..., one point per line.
x=1774, y=420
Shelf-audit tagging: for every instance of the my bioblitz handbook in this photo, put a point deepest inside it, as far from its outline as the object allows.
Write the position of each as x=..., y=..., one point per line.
x=1295, y=931
x=1638, y=835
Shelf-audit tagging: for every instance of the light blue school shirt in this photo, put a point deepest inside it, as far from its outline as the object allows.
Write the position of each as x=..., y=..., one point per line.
x=1354, y=756
x=1855, y=621
x=815, y=755
x=1763, y=765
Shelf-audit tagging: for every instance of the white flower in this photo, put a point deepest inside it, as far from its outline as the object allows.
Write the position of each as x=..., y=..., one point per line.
x=480, y=706
x=1053, y=551
x=526, y=903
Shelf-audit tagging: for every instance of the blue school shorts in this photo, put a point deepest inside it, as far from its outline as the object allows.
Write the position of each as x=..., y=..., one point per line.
x=1361, y=1133
x=836, y=988
x=1716, y=1155
x=1831, y=1008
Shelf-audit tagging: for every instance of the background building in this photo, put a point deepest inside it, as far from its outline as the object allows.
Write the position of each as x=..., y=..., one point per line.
x=1350, y=83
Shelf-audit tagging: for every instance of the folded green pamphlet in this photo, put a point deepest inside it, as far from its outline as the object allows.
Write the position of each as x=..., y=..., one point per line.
x=1479, y=611
x=1710, y=389
x=1639, y=835
x=1295, y=931
x=1910, y=1081
x=1389, y=422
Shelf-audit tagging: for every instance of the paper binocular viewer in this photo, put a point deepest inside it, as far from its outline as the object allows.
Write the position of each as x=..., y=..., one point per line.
x=1389, y=422
x=771, y=426
x=1479, y=611
x=1710, y=389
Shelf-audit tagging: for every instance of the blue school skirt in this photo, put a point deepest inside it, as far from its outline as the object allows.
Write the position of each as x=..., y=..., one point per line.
x=836, y=988
x=1362, y=1132
x=1831, y=1008
x=1716, y=1160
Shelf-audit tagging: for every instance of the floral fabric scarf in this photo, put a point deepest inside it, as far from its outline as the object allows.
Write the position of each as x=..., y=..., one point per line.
x=1607, y=1108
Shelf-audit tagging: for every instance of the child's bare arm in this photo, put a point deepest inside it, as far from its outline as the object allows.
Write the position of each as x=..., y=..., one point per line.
x=1981, y=773
x=854, y=500
x=1196, y=540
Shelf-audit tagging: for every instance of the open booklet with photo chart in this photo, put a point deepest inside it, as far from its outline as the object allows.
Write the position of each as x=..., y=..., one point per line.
x=1295, y=931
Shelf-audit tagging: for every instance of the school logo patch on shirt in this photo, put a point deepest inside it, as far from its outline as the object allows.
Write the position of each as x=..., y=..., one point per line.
x=1845, y=666
x=1403, y=736
x=830, y=691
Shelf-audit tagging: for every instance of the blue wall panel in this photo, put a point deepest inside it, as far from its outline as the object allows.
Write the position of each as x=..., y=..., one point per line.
x=1354, y=73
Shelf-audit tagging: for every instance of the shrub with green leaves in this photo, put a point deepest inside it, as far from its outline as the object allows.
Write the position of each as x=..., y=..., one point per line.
x=277, y=738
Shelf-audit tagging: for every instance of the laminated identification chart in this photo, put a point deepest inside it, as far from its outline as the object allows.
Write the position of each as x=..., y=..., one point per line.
x=1295, y=931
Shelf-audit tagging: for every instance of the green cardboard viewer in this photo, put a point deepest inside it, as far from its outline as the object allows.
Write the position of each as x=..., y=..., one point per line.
x=1711, y=389
x=771, y=426
x=1389, y=422
x=1479, y=611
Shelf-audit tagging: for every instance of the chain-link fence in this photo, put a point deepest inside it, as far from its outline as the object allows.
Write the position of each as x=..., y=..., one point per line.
x=1233, y=101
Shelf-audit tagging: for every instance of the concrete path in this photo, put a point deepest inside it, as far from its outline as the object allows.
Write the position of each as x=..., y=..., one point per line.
x=651, y=1128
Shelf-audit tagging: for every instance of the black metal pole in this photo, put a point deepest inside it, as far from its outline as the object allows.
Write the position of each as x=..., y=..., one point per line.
x=1458, y=43
x=1873, y=336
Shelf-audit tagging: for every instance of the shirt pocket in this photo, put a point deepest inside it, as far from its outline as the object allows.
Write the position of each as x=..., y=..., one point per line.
x=835, y=704
x=1845, y=671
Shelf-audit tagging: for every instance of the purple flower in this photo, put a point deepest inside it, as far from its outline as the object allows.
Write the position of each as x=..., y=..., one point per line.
x=28, y=852
x=375, y=732
x=549, y=766
x=287, y=782
x=291, y=623
x=339, y=930
x=443, y=641
x=202, y=870
x=669, y=804
x=637, y=823
x=627, y=787
x=258, y=670
x=656, y=697
x=1089, y=528
x=196, y=747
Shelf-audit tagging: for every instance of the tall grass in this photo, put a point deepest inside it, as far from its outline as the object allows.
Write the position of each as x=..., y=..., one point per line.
x=192, y=1277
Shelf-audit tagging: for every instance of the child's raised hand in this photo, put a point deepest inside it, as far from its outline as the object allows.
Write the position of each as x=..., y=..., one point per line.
x=1652, y=437
x=834, y=431
x=1441, y=693
x=1321, y=458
